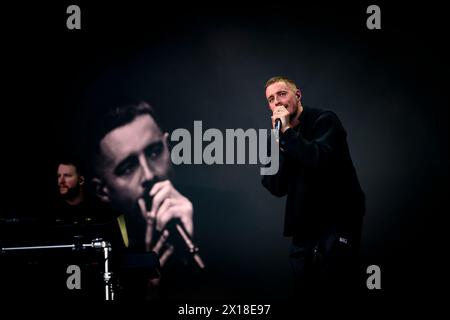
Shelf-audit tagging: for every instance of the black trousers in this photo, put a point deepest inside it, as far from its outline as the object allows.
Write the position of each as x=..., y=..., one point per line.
x=328, y=263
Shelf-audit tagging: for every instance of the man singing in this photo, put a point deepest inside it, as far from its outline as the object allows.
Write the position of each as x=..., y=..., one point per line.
x=325, y=203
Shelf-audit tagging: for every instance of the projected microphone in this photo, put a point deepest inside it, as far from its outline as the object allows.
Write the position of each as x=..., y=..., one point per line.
x=179, y=233
x=175, y=227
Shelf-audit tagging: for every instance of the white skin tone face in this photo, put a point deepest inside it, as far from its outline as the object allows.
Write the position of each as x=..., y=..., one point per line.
x=69, y=182
x=285, y=103
x=134, y=156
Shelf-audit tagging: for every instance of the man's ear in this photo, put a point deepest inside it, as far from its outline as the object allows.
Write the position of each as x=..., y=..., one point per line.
x=166, y=140
x=81, y=180
x=298, y=93
x=101, y=190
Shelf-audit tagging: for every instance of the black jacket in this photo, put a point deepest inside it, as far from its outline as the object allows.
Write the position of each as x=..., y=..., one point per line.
x=317, y=175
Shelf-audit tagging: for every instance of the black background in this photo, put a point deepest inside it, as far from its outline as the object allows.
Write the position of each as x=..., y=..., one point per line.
x=210, y=63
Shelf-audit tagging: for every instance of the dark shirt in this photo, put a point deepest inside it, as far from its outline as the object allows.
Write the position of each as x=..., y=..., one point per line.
x=317, y=175
x=90, y=219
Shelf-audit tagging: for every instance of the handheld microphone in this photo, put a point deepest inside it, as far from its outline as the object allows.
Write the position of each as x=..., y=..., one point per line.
x=278, y=124
x=175, y=227
x=277, y=129
x=177, y=230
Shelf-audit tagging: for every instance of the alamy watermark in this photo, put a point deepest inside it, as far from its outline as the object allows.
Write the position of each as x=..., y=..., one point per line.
x=373, y=22
x=374, y=279
x=74, y=20
x=215, y=153
x=74, y=279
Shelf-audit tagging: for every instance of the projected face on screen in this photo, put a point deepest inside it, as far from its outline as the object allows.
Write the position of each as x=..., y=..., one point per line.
x=134, y=157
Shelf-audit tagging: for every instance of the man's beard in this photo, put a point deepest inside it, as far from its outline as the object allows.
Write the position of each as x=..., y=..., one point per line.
x=71, y=193
x=293, y=115
x=129, y=205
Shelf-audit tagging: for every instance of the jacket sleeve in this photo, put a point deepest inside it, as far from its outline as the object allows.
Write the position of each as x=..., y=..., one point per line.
x=315, y=153
x=277, y=184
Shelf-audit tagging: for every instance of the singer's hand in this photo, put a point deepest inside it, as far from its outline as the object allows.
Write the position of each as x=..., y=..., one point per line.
x=167, y=204
x=160, y=243
x=281, y=113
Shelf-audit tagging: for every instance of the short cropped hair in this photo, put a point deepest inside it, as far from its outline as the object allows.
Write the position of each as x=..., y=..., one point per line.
x=70, y=159
x=115, y=115
x=276, y=79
